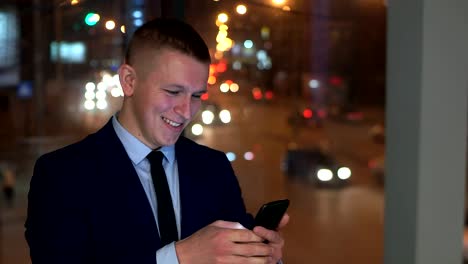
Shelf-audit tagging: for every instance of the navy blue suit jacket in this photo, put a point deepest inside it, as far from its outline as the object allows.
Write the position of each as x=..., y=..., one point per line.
x=87, y=205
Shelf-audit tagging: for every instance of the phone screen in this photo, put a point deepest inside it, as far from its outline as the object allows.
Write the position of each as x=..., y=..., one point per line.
x=270, y=214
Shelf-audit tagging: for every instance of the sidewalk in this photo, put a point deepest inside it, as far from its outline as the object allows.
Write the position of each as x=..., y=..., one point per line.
x=13, y=247
x=63, y=122
x=22, y=154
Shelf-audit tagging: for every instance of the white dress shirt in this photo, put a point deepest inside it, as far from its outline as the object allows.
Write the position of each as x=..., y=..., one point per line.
x=137, y=152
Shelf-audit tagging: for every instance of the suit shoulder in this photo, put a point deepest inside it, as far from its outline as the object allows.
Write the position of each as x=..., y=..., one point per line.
x=77, y=148
x=195, y=148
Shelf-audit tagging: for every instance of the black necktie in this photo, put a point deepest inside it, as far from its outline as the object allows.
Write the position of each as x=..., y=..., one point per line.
x=166, y=217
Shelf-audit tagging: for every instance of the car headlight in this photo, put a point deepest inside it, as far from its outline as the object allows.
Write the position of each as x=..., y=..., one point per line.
x=197, y=129
x=344, y=173
x=225, y=116
x=207, y=117
x=324, y=175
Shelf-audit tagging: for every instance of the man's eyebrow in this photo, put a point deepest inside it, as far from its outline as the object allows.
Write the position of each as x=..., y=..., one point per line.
x=174, y=85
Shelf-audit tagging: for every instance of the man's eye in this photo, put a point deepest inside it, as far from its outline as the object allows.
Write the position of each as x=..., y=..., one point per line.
x=197, y=96
x=172, y=92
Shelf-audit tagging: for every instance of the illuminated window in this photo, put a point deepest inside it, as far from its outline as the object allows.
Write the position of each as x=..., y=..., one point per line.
x=8, y=39
x=70, y=52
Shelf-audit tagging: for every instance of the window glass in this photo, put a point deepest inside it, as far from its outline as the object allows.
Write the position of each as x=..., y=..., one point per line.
x=295, y=99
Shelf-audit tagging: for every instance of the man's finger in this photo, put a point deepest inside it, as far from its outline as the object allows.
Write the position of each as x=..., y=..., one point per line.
x=226, y=224
x=284, y=221
x=252, y=250
x=270, y=235
x=237, y=232
x=244, y=236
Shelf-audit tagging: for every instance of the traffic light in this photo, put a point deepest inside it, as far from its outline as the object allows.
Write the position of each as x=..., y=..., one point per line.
x=91, y=19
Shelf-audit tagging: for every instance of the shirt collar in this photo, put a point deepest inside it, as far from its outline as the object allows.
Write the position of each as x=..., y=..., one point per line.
x=137, y=150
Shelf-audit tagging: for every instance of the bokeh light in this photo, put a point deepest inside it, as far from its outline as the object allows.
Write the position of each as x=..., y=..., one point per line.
x=249, y=155
x=197, y=129
x=231, y=156
x=223, y=18
x=241, y=9
x=225, y=116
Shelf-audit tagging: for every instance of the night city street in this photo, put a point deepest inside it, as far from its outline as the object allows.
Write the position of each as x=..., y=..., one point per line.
x=271, y=90
x=327, y=225
x=355, y=111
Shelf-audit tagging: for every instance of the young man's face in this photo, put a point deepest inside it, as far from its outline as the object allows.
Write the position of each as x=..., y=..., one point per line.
x=163, y=99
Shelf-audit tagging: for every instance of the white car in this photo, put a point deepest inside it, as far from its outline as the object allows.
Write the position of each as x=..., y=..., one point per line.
x=315, y=166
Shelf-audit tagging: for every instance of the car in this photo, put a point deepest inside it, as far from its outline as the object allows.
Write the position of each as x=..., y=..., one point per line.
x=212, y=114
x=307, y=116
x=260, y=95
x=316, y=166
x=346, y=113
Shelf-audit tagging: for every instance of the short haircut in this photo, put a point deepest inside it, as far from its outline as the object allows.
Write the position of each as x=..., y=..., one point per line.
x=167, y=33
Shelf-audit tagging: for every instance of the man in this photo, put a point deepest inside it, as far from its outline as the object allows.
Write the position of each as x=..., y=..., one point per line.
x=95, y=202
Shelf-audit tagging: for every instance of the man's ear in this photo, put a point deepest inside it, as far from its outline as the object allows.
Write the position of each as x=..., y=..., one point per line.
x=127, y=77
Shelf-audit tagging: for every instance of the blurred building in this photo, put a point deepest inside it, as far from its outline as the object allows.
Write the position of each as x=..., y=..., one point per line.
x=338, y=44
x=10, y=70
x=48, y=45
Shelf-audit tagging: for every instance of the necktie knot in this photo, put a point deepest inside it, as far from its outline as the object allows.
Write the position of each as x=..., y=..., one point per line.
x=155, y=157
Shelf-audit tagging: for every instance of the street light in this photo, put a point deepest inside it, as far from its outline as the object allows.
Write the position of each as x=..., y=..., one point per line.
x=110, y=25
x=223, y=17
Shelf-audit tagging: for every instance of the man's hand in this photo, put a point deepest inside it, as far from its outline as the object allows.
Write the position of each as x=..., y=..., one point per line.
x=227, y=242
x=275, y=240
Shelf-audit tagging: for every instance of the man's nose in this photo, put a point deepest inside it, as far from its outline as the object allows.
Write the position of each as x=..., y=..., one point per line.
x=184, y=107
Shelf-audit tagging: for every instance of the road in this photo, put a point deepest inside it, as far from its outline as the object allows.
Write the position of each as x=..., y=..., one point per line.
x=327, y=226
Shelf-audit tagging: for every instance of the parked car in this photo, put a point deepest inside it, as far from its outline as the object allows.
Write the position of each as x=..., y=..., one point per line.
x=316, y=166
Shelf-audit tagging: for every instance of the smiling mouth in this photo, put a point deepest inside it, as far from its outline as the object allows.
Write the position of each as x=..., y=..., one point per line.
x=171, y=123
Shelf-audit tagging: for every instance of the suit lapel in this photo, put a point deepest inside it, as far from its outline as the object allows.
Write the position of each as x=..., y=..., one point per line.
x=117, y=164
x=186, y=186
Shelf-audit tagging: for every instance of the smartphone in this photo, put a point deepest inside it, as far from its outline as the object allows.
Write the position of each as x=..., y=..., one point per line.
x=270, y=214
